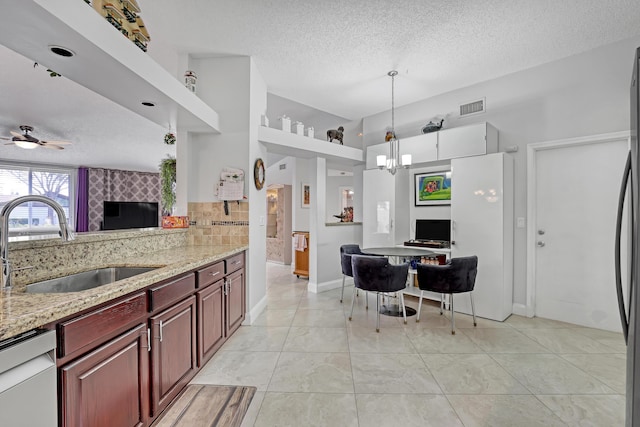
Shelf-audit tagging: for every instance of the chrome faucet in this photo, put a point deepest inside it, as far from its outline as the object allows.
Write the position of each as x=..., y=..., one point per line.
x=65, y=233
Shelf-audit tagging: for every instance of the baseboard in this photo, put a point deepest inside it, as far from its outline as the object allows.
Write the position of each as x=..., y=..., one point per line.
x=256, y=311
x=520, y=309
x=316, y=288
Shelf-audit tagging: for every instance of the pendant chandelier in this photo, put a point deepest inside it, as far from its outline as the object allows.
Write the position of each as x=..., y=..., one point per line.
x=393, y=161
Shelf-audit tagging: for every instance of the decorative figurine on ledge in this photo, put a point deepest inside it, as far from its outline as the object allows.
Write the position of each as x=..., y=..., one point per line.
x=432, y=127
x=389, y=136
x=335, y=134
x=346, y=216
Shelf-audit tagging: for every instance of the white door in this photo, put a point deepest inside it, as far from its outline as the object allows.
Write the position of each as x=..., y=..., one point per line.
x=575, y=209
x=378, y=204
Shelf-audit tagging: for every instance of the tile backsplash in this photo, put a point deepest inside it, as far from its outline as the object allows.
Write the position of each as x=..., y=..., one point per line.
x=210, y=226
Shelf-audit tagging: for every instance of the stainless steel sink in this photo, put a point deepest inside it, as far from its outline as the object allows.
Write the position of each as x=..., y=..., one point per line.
x=86, y=280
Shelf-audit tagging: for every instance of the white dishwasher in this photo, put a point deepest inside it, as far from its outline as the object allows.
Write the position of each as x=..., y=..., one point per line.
x=28, y=388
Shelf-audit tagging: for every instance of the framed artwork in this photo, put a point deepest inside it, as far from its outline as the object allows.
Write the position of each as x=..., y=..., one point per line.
x=306, y=195
x=433, y=188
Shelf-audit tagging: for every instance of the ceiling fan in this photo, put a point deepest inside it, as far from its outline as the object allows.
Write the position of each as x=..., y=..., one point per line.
x=26, y=141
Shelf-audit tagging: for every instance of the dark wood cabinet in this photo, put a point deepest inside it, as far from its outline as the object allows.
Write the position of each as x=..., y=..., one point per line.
x=173, y=352
x=234, y=301
x=123, y=362
x=110, y=385
x=211, y=321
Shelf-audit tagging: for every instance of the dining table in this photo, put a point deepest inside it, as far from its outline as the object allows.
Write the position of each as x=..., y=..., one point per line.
x=397, y=252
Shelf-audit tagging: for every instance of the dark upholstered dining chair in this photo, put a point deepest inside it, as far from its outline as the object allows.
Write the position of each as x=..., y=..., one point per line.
x=457, y=276
x=345, y=259
x=375, y=274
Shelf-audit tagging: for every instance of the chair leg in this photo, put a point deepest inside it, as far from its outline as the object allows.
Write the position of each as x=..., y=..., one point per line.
x=366, y=299
x=353, y=299
x=473, y=309
x=453, y=320
x=441, y=303
x=419, y=305
x=377, y=311
x=404, y=310
x=342, y=292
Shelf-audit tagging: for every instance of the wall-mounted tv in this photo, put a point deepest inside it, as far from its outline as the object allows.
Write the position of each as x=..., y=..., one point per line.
x=433, y=229
x=122, y=215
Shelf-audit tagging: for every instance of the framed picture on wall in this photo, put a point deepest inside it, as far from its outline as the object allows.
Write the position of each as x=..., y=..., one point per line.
x=433, y=188
x=306, y=195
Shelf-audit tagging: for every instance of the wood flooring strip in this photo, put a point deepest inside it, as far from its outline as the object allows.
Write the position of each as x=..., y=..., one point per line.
x=208, y=406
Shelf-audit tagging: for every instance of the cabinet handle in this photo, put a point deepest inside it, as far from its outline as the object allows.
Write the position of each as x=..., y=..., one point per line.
x=148, y=339
x=224, y=287
x=214, y=274
x=235, y=262
x=161, y=331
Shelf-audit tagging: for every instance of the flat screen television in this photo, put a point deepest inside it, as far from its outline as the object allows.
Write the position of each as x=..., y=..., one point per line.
x=122, y=215
x=433, y=229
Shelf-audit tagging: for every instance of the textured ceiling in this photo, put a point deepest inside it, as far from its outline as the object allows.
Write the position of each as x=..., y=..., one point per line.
x=329, y=55
x=334, y=55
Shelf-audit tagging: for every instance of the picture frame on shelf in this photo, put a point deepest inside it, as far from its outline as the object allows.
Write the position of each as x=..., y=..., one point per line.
x=305, y=196
x=432, y=188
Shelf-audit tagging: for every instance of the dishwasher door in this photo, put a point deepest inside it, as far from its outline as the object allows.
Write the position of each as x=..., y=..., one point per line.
x=28, y=385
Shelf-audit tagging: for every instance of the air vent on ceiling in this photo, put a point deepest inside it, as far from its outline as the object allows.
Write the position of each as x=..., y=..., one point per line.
x=473, y=107
x=283, y=166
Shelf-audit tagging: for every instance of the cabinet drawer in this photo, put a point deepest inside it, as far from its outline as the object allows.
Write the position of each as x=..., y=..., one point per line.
x=234, y=263
x=210, y=274
x=91, y=328
x=163, y=295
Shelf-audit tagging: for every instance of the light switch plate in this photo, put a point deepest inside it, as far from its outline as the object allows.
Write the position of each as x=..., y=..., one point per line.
x=261, y=219
x=520, y=222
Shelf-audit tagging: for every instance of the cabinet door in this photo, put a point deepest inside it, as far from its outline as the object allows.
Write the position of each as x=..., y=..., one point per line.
x=378, y=204
x=235, y=301
x=210, y=320
x=173, y=352
x=482, y=225
x=462, y=142
x=423, y=148
x=110, y=385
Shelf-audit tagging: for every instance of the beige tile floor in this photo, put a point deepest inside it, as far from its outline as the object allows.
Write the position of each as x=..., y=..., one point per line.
x=314, y=367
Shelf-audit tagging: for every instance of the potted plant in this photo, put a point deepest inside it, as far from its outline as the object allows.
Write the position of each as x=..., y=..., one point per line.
x=168, y=184
x=168, y=190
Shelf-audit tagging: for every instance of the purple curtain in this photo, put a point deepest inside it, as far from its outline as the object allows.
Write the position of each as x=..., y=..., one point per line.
x=82, y=200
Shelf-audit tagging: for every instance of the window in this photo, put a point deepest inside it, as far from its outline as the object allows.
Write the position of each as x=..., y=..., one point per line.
x=37, y=218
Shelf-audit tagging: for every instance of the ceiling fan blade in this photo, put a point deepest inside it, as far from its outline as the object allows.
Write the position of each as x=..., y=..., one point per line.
x=5, y=138
x=18, y=135
x=53, y=147
x=57, y=142
x=9, y=143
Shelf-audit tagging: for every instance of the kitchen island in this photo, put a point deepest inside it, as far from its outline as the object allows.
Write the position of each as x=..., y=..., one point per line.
x=135, y=343
x=20, y=311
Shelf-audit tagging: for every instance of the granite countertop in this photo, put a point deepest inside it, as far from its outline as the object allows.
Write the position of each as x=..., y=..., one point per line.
x=21, y=312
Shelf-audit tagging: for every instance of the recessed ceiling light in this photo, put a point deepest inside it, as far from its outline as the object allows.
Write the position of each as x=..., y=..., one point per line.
x=148, y=104
x=62, y=51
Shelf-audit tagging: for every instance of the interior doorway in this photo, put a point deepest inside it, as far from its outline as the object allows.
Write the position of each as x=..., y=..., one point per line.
x=573, y=190
x=278, y=223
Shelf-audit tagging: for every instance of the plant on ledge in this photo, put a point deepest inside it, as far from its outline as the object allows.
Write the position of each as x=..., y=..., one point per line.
x=168, y=184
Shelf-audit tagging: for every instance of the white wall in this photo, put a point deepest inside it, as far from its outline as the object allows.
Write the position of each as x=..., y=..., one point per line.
x=257, y=254
x=585, y=94
x=223, y=83
x=275, y=175
x=302, y=176
x=234, y=88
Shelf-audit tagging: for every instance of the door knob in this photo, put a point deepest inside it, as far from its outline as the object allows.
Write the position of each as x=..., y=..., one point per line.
x=541, y=232
x=540, y=244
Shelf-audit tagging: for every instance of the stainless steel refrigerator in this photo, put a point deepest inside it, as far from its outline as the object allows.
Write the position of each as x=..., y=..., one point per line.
x=630, y=312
